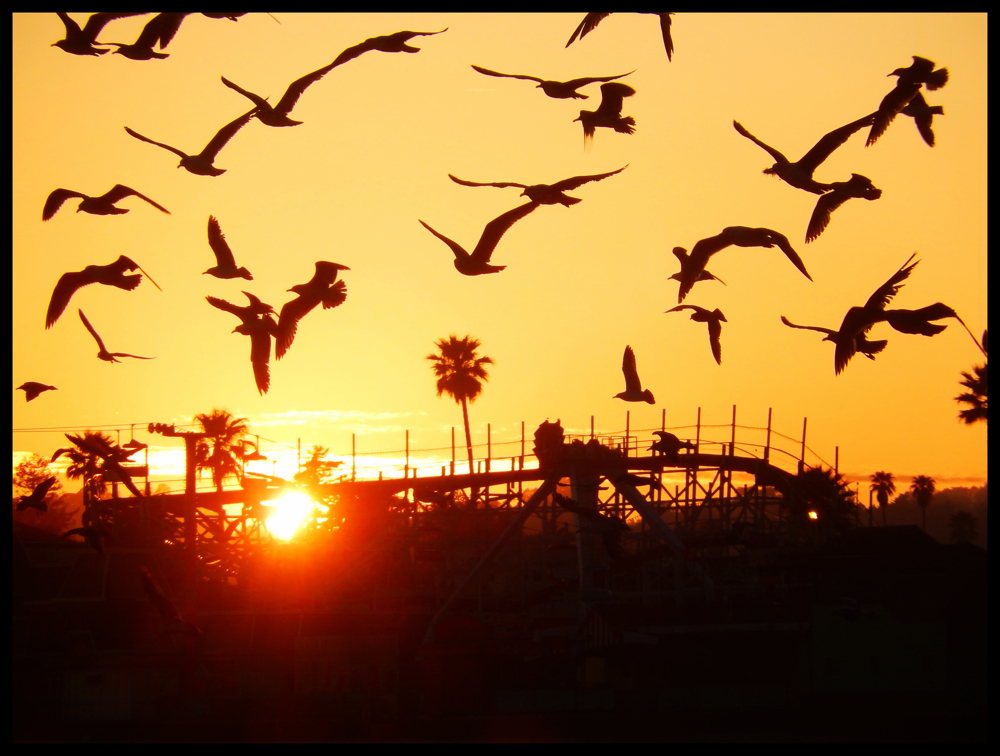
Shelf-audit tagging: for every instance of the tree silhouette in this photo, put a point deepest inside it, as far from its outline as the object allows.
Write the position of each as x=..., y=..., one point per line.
x=976, y=395
x=460, y=373
x=923, y=491
x=828, y=494
x=215, y=452
x=883, y=483
x=58, y=518
x=31, y=471
x=89, y=467
x=963, y=527
x=317, y=469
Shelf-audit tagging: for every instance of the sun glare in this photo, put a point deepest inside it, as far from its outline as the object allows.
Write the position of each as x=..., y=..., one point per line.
x=290, y=510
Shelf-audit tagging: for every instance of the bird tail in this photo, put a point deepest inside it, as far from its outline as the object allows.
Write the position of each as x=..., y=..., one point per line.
x=567, y=201
x=626, y=125
x=128, y=282
x=335, y=295
x=244, y=273
x=937, y=79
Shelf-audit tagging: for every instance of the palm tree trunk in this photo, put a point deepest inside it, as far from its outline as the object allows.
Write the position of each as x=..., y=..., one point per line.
x=923, y=518
x=468, y=446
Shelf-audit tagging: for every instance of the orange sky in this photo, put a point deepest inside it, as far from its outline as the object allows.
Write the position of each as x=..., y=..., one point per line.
x=380, y=135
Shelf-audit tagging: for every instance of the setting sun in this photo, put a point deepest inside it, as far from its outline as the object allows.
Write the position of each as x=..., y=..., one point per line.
x=290, y=510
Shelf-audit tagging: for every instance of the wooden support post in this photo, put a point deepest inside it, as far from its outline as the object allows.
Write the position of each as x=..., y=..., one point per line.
x=453, y=450
x=802, y=454
x=663, y=420
x=767, y=442
x=836, y=459
x=354, y=459
x=628, y=421
x=406, y=467
x=591, y=426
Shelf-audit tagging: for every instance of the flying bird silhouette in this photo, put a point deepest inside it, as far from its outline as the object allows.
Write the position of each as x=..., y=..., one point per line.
x=714, y=320
x=202, y=163
x=923, y=115
x=104, y=354
x=36, y=499
x=175, y=624
x=591, y=20
x=260, y=331
x=670, y=445
x=277, y=115
x=93, y=537
x=103, y=205
x=560, y=90
x=322, y=287
x=859, y=187
x=546, y=194
x=81, y=41
x=609, y=114
x=247, y=314
x=112, y=274
x=800, y=173
x=921, y=72
x=861, y=344
x=390, y=43
x=112, y=456
x=225, y=263
x=162, y=27
x=693, y=266
x=478, y=263
x=32, y=389
x=633, y=387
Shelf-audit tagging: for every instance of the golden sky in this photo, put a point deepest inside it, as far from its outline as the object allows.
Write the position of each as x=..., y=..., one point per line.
x=380, y=135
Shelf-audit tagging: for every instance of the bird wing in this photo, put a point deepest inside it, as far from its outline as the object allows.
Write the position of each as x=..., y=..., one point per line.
x=715, y=337
x=124, y=263
x=297, y=87
x=257, y=100
x=93, y=333
x=260, y=355
x=140, y=137
x=825, y=146
x=120, y=191
x=573, y=183
x=225, y=134
x=326, y=272
x=785, y=246
x=42, y=489
x=288, y=321
x=72, y=27
x=778, y=157
x=456, y=248
x=696, y=308
x=632, y=383
x=918, y=321
x=169, y=24
x=56, y=199
x=884, y=293
x=790, y=324
x=668, y=43
x=217, y=241
x=897, y=99
x=498, y=184
x=335, y=296
x=152, y=31
x=354, y=51
x=586, y=26
x=97, y=21
x=705, y=248
x=613, y=97
x=857, y=322
x=495, y=230
x=222, y=304
x=66, y=287
x=825, y=206
x=488, y=72
x=923, y=116
x=577, y=83
x=155, y=593
x=126, y=354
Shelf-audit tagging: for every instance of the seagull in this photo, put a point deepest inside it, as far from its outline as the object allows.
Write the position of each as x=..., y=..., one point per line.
x=559, y=90
x=201, y=163
x=693, y=266
x=260, y=331
x=103, y=205
x=591, y=20
x=609, y=114
x=81, y=42
x=92, y=536
x=112, y=274
x=923, y=114
x=322, y=287
x=225, y=263
x=163, y=26
x=33, y=388
x=858, y=187
x=800, y=173
x=112, y=456
x=861, y=344
x=104, y=354
x=633, y=387
x=714, y=320
x=277, y=115
x=247, y=314
x=390, y=43
x=669, y=444
x=175, y=623
x=36, y=498
x=478, y=263
x=907, y=86
x=546, y=194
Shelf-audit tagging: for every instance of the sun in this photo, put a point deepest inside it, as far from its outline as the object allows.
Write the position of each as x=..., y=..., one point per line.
x=289, y=512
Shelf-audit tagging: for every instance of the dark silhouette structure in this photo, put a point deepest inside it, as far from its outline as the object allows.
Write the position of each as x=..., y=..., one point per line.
x=323, y=288
x=103, y=205
x=923, y=115
x=609, y=114
x=390, y=43
x=670, y=445
x=277, y=115
x=478, y=262
x=225, y=263
x=32, y=389
x=713, y=319
x=111, y=455
x=36, y=499
x=800, y=173
x=104, y=354
x=908, y=84
x=112, y=274
x=859, y=187
x=559, y=90
x=546, y=194
x=81, y=41
x=633, y=386
x=693, y=265
x=202, y=163
x=162, y=27
x=591, y=20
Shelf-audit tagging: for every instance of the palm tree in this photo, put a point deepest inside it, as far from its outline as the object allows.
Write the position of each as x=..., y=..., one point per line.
x=884, y=486
x=215, y=452
x=827, y=494
x=923, y=491
x=975, y=397
x=89, y=467
x=460, y=373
